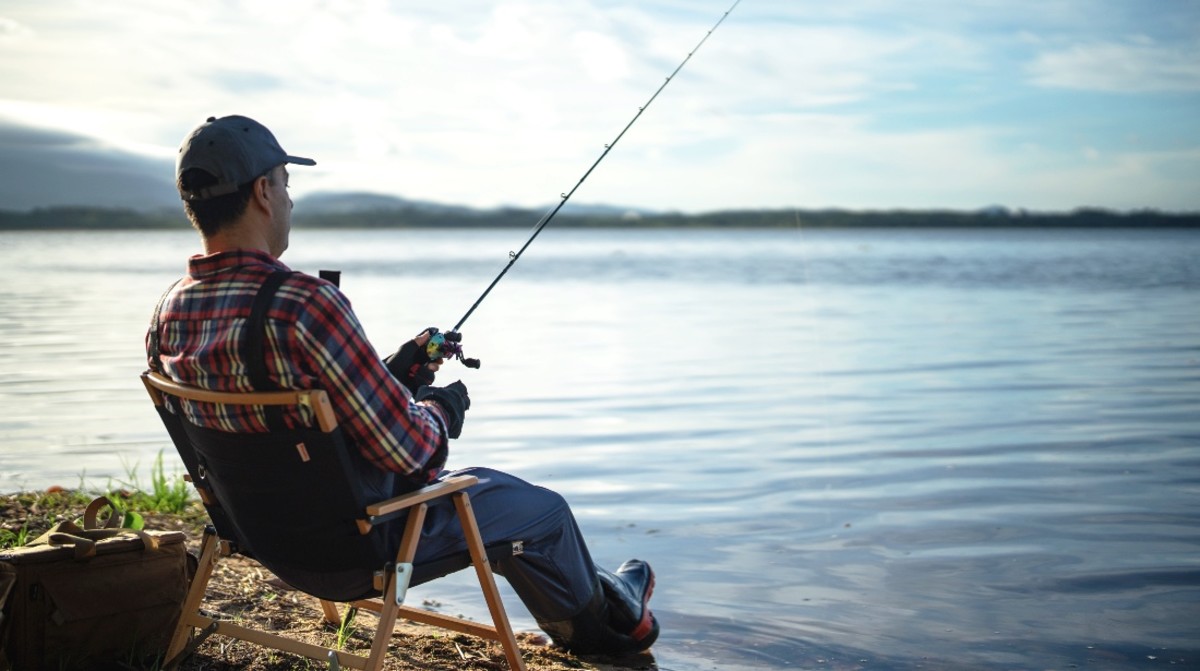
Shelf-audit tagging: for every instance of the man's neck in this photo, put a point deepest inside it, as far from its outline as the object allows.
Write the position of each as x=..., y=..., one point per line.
x=235, y=237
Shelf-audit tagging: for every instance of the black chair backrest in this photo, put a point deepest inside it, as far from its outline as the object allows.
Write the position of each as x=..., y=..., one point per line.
x=287, y=498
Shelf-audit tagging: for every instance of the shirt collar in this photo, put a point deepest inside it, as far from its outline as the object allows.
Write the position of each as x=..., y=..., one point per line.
x=201, y=266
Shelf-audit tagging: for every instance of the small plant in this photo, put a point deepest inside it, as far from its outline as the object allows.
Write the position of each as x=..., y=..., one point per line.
x=346, y=628
x=14, y=539
x=165, y=494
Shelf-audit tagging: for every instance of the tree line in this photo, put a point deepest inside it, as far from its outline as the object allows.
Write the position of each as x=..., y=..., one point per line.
x=86, y=218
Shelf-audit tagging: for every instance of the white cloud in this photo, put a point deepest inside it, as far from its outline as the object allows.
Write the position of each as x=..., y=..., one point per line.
x=1139, y=66
x=601, y=56
x=12, y=31
x=1131, y=180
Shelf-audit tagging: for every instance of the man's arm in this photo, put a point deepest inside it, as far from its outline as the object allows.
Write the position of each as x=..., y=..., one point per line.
x=376, y=412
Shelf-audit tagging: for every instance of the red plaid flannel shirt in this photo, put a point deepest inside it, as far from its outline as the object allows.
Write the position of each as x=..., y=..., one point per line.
x=313, y=341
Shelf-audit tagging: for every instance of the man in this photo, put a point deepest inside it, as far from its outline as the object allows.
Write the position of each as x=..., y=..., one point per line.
x=232, y=175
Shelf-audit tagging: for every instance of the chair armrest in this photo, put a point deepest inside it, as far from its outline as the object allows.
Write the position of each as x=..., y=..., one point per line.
x=427, y=493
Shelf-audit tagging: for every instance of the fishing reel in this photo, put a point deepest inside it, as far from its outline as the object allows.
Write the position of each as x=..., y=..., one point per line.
x=447, y=346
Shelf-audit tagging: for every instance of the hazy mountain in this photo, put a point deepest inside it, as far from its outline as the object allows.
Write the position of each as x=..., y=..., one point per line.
x=354, y=202
x=350, y=202
x=42, y=168
x=46, y=168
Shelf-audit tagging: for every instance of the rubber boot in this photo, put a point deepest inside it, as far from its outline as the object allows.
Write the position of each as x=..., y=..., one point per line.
x=628, y=594
x=616, y=620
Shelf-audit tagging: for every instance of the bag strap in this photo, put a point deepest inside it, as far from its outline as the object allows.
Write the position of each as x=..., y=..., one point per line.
x=84, y=539
x=67, y=534
x=155, y=336
x=93, y=511
x=253, y=345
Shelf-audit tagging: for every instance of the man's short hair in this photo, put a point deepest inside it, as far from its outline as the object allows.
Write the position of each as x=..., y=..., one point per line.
x=210, y=215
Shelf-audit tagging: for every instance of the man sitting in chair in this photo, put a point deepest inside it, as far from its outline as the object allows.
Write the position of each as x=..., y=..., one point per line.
x=232, y=176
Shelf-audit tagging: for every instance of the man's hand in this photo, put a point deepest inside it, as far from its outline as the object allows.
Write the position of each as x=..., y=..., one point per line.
x=411, y=365
x=454, y=402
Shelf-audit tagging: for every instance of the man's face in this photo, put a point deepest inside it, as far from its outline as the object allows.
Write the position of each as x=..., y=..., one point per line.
x=281, y=216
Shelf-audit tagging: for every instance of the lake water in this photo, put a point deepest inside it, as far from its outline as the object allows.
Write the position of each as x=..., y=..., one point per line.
x=839, y=449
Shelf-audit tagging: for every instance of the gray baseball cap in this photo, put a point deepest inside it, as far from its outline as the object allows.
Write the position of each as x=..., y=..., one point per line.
x=235, y=149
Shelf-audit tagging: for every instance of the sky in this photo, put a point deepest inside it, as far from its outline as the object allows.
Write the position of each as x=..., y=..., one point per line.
x=858, y=104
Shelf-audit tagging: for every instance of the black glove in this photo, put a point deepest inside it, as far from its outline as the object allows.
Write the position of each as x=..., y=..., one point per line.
x=454, y=402
x=408, y=365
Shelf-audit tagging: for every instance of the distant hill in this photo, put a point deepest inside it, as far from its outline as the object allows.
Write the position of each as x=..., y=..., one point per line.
x=60, y=180
x=351, y=202
x=346, y=203
x=415, y=215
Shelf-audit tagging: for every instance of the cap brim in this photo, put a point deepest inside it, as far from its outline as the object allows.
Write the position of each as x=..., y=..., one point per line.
x=300, y=161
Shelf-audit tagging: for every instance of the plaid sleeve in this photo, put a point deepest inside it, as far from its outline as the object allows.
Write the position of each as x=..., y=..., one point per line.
x=375, y=411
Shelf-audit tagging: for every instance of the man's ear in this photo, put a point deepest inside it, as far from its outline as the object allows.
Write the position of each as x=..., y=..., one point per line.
x=262, y=193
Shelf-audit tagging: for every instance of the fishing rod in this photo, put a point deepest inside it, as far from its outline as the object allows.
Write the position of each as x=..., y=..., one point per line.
x=446, y=344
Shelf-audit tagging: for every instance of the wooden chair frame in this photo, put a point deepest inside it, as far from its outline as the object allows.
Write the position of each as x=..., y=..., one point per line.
x=388, y=606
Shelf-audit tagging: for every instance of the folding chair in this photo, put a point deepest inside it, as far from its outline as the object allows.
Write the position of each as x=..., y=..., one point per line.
x=287, y=499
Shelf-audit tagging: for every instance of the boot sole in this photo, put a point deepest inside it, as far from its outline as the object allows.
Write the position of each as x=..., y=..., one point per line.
x=647, y=624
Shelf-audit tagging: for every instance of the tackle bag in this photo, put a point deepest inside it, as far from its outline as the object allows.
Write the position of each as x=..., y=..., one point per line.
x=91, y=597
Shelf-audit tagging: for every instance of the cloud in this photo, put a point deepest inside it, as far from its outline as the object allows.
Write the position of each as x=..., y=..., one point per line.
x=1120, y=67
x=239, y=82
x=12, y=31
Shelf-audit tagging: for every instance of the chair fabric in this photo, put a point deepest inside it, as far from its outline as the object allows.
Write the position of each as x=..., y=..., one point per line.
x=285, y=499
x=292, y=506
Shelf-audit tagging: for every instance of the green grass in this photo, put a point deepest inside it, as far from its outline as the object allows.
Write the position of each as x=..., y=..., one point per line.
x=346, y=628
x=14, y=539
x=171, y=495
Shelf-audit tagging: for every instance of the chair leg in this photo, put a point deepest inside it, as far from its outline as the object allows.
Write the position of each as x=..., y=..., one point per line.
x=389, y=610
x=387, y=616
x=487, y=581
x=329, y=610
x=191, y=604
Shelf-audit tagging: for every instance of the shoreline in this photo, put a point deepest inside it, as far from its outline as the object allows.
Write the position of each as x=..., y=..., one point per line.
x=102, y=219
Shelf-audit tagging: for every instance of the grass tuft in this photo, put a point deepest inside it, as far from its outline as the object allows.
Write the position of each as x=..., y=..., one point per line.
x=346, y=628
x=167, y=495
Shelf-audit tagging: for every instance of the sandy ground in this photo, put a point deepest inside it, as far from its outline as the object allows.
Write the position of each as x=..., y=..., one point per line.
x=243, y=591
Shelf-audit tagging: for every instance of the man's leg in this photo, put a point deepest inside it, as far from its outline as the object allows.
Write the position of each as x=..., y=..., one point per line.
x=555, y=576
x=580, y=607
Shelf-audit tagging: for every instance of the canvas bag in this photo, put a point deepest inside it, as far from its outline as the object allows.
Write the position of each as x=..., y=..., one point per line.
x=91, y=597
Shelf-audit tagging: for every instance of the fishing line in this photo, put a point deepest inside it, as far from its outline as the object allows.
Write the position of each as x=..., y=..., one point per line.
x=513, y=256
